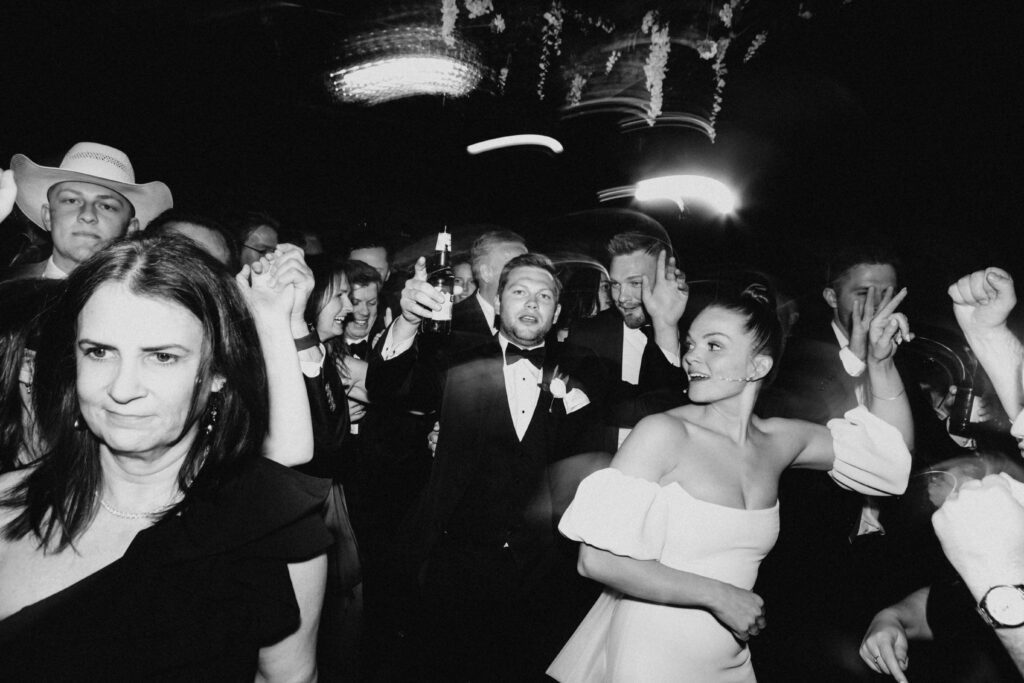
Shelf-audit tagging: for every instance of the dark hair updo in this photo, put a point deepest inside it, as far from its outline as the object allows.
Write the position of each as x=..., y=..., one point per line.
x=757, y=304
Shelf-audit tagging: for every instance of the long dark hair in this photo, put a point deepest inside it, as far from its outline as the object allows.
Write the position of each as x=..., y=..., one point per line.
x=59, y=496
x=326, y=269
x=23, y=303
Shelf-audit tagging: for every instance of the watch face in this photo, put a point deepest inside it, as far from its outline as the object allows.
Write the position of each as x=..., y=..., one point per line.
x=1005, y=604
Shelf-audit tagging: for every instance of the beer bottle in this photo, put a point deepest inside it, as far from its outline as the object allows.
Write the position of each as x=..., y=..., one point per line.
x=441, y=276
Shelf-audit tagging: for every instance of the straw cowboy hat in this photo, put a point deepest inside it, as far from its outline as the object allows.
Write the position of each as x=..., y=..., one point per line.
x=88, y=162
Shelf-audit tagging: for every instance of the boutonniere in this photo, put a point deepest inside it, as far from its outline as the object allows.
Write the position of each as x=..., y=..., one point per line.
x=557, y=385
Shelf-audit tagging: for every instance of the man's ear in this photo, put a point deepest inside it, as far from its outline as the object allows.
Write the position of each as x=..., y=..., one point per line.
x=45, y=213
x=133, y=226
x=485, y=272
x=830, y=297
x=217, y=384
x=497, y=304
x=558, y=310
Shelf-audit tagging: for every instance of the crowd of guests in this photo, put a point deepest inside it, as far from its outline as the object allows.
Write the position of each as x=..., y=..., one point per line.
x=228, y=454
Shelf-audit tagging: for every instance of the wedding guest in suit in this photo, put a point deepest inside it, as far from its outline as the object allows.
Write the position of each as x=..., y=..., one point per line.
x=85, y=203
x=475, y=316
x=491, y=575
x=649, y=296
x=842, y=550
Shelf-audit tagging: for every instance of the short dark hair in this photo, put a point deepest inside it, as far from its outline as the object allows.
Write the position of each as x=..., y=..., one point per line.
x=59, y=496
x=629, y=242
x=163, y=223
x=252, y=220
x=365, y=238
x=847, y=257
x=530, y=261
x=757, y=304
x=361, y=274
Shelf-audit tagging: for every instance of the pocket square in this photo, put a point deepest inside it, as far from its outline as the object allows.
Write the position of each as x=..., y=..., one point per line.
x=575, y=400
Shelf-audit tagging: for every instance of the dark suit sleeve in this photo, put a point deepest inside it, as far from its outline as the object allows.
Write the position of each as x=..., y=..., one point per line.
x=661, y=387
x=412, y=381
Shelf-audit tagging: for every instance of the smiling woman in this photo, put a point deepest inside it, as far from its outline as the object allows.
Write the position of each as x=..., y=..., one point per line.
x=151, y=539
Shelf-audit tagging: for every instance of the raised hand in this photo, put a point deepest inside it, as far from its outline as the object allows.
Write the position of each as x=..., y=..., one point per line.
x=8, y=193
x=267, y=298
x=290, y=262
x=885, y=647
x=888, y=329
x=740, y=611
x=983, y=300
x=665, y=298
x=419, y=299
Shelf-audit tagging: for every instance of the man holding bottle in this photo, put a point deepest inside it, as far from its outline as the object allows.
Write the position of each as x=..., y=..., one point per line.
x=489, y=568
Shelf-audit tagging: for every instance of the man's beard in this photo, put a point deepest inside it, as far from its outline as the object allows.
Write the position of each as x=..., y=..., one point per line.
x=634, y=318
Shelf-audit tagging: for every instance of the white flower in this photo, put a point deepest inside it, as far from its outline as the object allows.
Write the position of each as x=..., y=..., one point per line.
x=576, y=91
x=612, y=59
x=498, y=24
x=558, y=388
x=707, y=49
x=754, y=45
x=478, y=8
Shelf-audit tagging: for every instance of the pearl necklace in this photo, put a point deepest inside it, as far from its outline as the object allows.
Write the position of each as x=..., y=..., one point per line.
x=132, y=515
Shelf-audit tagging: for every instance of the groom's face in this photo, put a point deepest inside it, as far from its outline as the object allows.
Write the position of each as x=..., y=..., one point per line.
x=528, y=305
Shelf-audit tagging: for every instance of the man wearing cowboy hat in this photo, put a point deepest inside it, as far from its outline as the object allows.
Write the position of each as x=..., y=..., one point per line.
x=85, y=203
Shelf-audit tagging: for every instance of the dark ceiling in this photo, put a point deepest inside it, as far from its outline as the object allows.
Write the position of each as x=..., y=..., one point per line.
x=896, y=117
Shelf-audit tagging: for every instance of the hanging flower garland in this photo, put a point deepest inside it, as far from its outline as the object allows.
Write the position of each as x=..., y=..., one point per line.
x=576, y=90
x=657, y=64
x=754, y=45
x=449, y=13
x=478, y=8
x=551, y=42
x=720, y=70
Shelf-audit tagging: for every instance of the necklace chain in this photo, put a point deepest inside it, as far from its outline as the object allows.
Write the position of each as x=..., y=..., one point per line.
x=131, y=515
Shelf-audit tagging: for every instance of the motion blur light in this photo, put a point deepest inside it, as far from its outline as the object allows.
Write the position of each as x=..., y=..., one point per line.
x=412, y=60
x=515, y=141
x=697, y=189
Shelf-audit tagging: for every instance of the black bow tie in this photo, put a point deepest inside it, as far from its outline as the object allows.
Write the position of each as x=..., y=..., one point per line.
x=359, y=349
x=535, y=355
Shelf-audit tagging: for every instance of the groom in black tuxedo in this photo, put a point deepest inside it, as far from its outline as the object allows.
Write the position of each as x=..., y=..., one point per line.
x=493, y=576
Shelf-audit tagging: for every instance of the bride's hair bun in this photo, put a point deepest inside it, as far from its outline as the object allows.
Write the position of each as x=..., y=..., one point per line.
x=759, y=293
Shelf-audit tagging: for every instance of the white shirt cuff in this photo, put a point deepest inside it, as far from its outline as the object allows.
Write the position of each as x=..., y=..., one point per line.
x=312, y=368
x=854, y=366
x=391, y=349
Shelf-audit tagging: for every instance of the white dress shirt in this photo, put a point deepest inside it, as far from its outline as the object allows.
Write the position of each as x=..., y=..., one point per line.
x=634, y=341
x=488, y=308
x=53, y=271
x=522, y=387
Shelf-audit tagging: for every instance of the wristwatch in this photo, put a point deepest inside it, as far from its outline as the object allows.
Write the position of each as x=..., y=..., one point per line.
x=1003, y=606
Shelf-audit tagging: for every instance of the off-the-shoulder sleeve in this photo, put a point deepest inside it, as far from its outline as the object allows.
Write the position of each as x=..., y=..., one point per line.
x=870, y=454
x=621, y=514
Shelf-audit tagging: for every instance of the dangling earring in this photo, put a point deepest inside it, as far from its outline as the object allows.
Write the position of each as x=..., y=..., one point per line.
x=213, y=419
x=79, y=423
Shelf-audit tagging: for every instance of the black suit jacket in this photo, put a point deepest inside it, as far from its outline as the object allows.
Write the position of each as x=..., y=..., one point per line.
x=468, y=318
x=661, y=386
x=23, y=272
x=486, y=487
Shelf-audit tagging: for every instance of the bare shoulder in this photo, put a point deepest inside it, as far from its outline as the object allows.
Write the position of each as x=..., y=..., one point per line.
x=788, y=438
x=651, y=449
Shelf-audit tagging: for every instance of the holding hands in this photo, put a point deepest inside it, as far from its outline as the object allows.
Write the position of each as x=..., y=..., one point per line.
x=278, y=284
x=665, y=298
x=8, y=192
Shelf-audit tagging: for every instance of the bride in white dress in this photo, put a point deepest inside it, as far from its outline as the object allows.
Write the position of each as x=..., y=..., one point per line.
x=678, y=525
